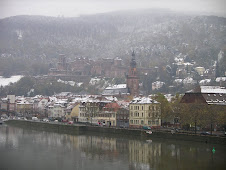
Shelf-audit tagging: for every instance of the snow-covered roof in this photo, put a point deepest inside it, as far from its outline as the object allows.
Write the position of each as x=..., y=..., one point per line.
x=169, y=97
x=189, y=64
x=117, y=86
x=178, y=80
x=205, y=81
x=218, y=79
x=213, y=89
x=95, y=80
x=158, y=83
x=188, y=80
x=142, y=100
x=111, y=98
x=199, y=67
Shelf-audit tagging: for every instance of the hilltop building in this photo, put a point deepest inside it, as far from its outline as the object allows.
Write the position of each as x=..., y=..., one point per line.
x=82, y=66
x=132, y=83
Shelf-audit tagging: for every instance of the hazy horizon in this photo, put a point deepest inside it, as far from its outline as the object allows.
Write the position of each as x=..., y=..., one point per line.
x=75, y=8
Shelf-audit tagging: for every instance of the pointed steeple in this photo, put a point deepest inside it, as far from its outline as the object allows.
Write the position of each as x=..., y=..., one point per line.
x=133, y=60
x=132, y=78
x=133, y=54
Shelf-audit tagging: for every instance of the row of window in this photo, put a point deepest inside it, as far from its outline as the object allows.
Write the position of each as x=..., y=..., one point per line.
x=96, y=115
x=142, y=108
x=137, y=114
x=150, y=122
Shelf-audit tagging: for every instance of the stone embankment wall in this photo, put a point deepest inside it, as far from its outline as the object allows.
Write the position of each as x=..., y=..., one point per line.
x=129, y=133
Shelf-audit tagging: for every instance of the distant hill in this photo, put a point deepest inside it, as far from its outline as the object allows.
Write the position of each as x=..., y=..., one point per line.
x=156, y=36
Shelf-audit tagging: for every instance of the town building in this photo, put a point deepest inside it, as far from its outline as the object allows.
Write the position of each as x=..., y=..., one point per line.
x=118, y=90
x=209, y=95
x=56, y=110
x=122, y=117
x=8, y=103
x=24, y=106
x=144, y=112
x=73, y=112
x=89, y=109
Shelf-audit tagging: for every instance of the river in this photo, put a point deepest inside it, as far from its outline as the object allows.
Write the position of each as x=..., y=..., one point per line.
x=28, y=149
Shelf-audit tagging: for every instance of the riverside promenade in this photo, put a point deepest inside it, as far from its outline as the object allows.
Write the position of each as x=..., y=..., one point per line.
x=80, y=129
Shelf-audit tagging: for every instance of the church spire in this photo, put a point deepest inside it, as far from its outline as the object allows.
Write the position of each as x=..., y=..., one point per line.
x=132, y=77
x=133, y=60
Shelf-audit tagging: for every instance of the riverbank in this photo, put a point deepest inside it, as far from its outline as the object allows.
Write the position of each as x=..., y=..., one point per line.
x=82, y=129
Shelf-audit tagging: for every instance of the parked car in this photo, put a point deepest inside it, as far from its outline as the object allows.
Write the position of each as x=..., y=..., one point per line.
x=146, y=128
x=34, y=118
x=205, y=133
x=64, y=121
x=45, y=120
x=175, y=129
x=70, y=122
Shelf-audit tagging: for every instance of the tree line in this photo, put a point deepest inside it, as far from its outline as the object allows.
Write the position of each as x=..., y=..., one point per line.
x=192, y=116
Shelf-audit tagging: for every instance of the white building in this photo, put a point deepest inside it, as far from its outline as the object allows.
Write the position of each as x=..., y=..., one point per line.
x=56, y=110
x=157, y=85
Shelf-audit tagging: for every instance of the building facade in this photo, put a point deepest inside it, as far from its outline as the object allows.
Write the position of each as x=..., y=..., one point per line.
x=144, y=112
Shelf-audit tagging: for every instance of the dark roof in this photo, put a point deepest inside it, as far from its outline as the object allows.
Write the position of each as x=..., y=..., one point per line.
x=215, y=98
x=208, y=98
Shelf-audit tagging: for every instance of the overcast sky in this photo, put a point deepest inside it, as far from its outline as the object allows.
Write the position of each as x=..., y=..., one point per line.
x=71, y=8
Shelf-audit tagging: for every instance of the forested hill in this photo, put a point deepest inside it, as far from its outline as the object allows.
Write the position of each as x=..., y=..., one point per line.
x=156, y=36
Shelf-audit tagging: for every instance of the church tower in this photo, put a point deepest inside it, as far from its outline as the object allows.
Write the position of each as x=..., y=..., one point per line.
x=132, y=78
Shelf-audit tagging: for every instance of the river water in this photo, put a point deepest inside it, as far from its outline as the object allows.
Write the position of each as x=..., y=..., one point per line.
x=28, y=150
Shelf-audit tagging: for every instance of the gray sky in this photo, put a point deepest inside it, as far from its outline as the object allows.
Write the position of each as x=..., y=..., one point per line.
x=71, y=8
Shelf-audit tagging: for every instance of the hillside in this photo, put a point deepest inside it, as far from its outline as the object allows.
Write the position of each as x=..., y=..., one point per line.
x=156, y=36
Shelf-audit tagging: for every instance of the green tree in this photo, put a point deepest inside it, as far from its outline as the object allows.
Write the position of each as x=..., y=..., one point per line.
x=166, y=111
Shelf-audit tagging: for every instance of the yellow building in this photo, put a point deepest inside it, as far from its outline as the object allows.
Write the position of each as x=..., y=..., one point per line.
x=24, y=107
x=74, y=114
x=144, y=112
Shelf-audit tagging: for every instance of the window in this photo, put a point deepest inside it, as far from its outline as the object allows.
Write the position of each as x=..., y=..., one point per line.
x=142, y=107
x=142, y=114
x=142, y=122
x=131, y=121
x=138, y=114
x=131, y=107
x=157, y=122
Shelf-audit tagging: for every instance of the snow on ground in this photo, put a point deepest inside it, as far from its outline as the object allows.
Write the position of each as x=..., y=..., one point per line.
x=7, y=81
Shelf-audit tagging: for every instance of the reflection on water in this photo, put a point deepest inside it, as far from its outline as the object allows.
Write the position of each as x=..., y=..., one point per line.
x=27, y=149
